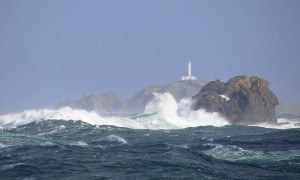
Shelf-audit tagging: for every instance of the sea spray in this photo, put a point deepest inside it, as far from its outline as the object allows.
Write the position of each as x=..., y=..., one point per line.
x=180, y=115
x=66, y=113
x=162, y=112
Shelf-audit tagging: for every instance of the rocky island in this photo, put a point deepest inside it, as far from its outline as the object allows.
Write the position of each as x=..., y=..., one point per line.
x=242, y=100
x=109, y=102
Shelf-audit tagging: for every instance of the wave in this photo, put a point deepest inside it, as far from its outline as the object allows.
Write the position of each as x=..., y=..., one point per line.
x=2, y=146
x=11, y=166
x=234, y=153
x=47, y=143
x=79, y=143
x=65, y=113
x=162, y=112
x=169, y=113
x=283, y=123
x=115, y=138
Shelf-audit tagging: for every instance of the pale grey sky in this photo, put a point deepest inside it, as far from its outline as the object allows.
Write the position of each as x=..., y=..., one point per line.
x=53, y=50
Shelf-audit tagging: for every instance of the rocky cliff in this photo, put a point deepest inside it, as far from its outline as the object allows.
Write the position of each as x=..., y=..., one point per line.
x=242, y=100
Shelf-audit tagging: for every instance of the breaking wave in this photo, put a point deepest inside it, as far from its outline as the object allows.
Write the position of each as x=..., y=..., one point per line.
x=65, y=113
x=162, y=112
x=115, y=138
x=2, y=146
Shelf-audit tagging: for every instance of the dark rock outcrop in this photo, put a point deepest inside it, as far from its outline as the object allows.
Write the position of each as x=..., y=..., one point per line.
x=242, y=100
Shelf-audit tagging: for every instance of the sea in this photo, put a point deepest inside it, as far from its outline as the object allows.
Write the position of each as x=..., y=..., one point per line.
x=167, y=141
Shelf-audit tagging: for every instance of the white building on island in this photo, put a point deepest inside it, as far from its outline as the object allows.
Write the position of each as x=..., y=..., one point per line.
x=189, y=77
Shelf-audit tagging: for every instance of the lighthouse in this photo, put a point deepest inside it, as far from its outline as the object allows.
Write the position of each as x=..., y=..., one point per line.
x=190, y=68
x=189, y=77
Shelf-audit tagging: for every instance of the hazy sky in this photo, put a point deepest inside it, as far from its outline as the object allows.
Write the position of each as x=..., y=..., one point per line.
x=56, y=50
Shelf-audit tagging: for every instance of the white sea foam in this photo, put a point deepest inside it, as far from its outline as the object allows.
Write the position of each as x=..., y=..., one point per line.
x=47, y=144
x=61, y=127
x=79, y=143
x=56, y=130
x=163, y=112
x=282, y=124
x=2, y=146
x=180, y=115
x=235, y=153
x=225, y=97
x=116, y=138
x=66, y=113
x=11, y=166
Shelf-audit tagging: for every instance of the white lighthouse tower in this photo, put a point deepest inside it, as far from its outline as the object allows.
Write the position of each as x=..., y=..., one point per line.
x=189, y=77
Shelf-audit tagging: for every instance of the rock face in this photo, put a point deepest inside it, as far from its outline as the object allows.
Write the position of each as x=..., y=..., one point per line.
x=242, y=100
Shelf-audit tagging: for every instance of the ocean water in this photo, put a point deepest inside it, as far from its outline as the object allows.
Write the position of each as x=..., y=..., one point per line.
x=167, y=141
